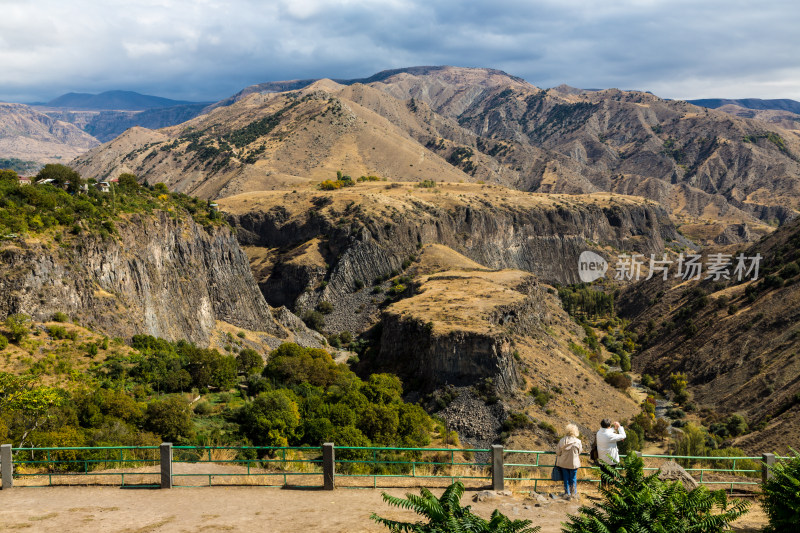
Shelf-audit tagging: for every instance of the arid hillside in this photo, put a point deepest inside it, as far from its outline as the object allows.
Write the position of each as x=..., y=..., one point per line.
x=270, y=141
x=736, y=341
x=29, y=135
x=457, y=124
x=475, y=335
x=625, y=139
x=309, y=246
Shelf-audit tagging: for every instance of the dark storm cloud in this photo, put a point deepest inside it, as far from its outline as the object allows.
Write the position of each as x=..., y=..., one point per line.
x=207, y=49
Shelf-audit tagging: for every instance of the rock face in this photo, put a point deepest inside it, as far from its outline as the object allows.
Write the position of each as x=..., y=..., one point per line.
x=672, y=471
x=161, y=276
x=341, y=240
x=457, y=358
x=33, y=136
x=107, y=125
x=458, y=329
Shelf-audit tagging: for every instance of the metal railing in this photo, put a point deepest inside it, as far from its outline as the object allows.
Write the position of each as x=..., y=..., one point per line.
x=78, y=464
x=251, y=464
x=345, y=466
x=450, y=464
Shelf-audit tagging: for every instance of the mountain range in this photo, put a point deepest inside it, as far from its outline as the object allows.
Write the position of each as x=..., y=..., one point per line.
x=706, y=166
x=112, y=100
x=433, y=211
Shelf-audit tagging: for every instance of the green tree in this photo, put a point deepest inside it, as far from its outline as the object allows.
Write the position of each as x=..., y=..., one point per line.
x=632, y=502
x=8, y=175
x=691, y=440
x=170, y=417
x=127, y=182
x=61, y=175
x=383, y=388
x=28, y=404
x=781, y=495
x=736, y=425
x=17, y=326
x=272, y=418
x=249, y=361
x=445, y=515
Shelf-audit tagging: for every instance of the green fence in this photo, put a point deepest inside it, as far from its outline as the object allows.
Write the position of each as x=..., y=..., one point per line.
x=533, y=468
x=353, y=467
x=527, y=470
x=299, y=467
x=741, y=472
x=81, y=465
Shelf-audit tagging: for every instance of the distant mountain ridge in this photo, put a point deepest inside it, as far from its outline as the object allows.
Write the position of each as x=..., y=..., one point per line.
x=782, y=104
x=114, y=100
x=464, y=124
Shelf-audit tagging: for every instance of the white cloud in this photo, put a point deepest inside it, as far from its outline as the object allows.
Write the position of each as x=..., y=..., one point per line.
x=208, y=49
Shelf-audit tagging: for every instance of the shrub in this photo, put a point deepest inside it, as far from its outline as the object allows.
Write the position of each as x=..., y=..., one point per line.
x=781, y=496
x=57, y=332
x=3, y=342
x=648, y=381
x=248, y=361
x=426, y=184
x=314, y=320
x=675, y=413
x=324, y=307
x=618, y=380
x=632, y=502
x=540, y=396
x=17, y=326
x=517, y=421
x=203, y=408
x=790, y=271
x=170, y=418
x=445, y=515
x=60, y=317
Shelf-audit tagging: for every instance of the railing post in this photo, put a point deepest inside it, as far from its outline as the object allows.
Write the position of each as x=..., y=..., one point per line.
x=328, y=466
x=166, y=465
x=767, y=460
x=7, y=466
x=497, y=468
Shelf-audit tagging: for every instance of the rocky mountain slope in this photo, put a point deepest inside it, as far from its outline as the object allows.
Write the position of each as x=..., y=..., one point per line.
x=106, y=125
x=474, y=335
x=736, y=341
x=160, y=276
x=270, y=141
x=626, y=139
x=782, y=119
x=33, y=136
x=476, y=124
x=309, y=246
x=781, y=104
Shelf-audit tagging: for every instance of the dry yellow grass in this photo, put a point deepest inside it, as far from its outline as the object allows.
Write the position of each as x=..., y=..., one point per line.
x=461, y=300
x=383, y=197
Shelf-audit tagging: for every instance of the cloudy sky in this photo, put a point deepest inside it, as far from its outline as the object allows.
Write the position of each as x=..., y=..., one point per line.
x=209, y=49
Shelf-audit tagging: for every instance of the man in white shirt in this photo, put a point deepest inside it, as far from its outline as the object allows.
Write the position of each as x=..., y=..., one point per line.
x=607, y=439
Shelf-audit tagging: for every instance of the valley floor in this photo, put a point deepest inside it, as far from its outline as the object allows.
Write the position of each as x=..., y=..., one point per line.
x=115, y=510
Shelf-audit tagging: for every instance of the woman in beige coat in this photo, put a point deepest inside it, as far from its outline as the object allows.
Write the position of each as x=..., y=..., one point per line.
x=568, y=459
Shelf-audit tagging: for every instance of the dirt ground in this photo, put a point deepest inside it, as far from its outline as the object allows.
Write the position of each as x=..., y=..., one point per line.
x=116, y=510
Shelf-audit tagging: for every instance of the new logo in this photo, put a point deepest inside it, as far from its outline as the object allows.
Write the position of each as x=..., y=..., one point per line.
x=591, y=266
